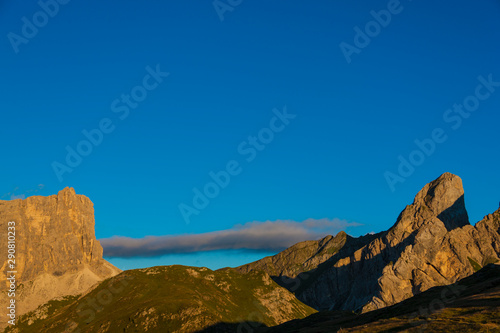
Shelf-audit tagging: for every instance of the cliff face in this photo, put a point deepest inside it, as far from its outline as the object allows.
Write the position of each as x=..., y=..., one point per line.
x=57, y=253
x=431, y=244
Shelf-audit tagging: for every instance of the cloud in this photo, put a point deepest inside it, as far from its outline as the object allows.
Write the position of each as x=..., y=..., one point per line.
x=253, y=236
x=13, y=196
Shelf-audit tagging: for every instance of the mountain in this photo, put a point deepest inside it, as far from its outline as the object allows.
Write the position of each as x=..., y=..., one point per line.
x=380, y=280
x=57, y=253
x=171, y=299
x=469, y=305
x=431, y=244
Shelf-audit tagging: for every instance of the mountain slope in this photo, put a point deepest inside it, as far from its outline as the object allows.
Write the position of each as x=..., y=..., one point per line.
x=470, y=305
x=170, y=299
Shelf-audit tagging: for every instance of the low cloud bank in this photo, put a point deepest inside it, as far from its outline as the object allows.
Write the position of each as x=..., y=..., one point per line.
x=254, y=236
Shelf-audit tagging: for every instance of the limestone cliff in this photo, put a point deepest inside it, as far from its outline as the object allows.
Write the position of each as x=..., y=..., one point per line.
x=57, y=253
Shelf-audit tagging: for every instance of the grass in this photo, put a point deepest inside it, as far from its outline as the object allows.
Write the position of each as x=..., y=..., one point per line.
x=474, y=264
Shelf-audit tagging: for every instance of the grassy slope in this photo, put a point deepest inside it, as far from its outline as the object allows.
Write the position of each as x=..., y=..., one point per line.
x=170, y=299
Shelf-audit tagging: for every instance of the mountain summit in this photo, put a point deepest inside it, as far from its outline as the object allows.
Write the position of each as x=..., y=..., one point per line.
x=441, y=201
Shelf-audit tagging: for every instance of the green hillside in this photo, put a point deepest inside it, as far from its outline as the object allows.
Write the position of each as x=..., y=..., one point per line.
x=170, y=299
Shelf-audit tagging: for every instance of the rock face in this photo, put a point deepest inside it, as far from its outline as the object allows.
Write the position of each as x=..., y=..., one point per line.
x=57, y=253
x=431, y=244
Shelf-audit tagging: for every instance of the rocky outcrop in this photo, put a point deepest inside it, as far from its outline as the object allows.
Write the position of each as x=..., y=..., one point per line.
x=431, y=244
x=57, y=253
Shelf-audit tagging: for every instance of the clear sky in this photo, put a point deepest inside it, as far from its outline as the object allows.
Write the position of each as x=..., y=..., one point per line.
x=309, y=105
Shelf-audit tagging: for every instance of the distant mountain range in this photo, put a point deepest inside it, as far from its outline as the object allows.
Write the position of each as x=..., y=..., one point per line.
x=370, y=283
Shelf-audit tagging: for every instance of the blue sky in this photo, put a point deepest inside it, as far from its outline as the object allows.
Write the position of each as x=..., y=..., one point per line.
x=228, y=79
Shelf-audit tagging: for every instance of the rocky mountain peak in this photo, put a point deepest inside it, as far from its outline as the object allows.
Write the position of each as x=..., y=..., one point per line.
x=445, y=199
x=439, y=204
